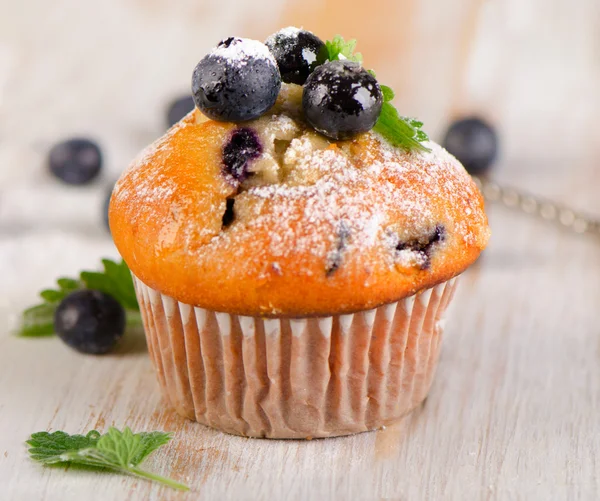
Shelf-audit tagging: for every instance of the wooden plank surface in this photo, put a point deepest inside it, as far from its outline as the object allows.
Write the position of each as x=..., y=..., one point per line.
x=513, y=412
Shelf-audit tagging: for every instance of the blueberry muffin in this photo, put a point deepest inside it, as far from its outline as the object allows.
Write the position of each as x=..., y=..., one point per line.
x=293, y=265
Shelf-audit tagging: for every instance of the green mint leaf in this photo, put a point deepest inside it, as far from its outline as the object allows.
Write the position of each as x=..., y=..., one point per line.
x=120, y=448
x=400, y=131
x=50, y=448
x=52, y=296
x=38, y=321
x=121, y=451
x=338, y=49
x=121, y=276
x=149, y=442
x=130, y=449
x=388, y=93
x=421, y=136
x=68, y=284
x=115, y=280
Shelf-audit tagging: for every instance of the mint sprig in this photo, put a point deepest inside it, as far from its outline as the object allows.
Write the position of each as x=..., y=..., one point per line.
x=120, y=451
x=114, y=280
x=338, y=49
x=399, y=131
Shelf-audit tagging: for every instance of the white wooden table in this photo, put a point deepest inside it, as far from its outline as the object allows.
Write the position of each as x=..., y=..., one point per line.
x=514, y=410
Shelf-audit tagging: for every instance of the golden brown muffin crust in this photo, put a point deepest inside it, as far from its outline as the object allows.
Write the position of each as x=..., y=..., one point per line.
x=319, y=228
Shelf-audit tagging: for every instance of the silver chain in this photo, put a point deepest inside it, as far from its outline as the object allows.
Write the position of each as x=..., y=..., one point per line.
x=545, y=209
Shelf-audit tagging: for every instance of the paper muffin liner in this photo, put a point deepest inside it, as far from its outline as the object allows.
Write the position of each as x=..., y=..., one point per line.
x=295, y=378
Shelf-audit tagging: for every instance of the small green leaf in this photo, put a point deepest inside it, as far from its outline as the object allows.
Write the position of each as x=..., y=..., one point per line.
x=388, y=93
x=38, y=321
x=52, y=296
x=121, y=276
x=130, y=449
x=96, y=280
x=338, y=49
x=115, y=450
x=119, y=447
x=413, y=122
x=400, y=131
x=149, y=442
x=421, y=136
x=68, y=284
x=48, y=448
x=323, y=55
x=38, y=330
x=115, y=281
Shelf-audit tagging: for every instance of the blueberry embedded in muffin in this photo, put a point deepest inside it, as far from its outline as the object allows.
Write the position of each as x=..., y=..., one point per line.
x=229, y=214
x=334, y=259
x=418, y=251
x=241, y=148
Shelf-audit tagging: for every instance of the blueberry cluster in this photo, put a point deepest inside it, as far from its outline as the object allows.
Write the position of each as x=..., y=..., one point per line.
x=240, y=79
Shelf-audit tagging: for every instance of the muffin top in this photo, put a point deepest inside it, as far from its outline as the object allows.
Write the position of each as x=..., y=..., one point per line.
x=270, y=218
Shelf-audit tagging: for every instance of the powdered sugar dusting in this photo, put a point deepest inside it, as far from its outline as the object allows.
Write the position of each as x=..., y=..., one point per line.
x=240, y=50
x=309, y=56
x=290, y=31
x=144, y=189
x=327, y=189
x=363, y=96
x=311, y=205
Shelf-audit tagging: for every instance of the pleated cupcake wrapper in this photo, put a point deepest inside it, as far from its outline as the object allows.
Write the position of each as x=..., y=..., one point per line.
x=295, y=378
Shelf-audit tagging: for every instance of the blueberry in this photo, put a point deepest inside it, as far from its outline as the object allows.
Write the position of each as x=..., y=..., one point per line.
x=90, y=321
x=75, y=161
x=229, y=214
x=334, y=260
x=296, y=52
x=341, y=99
x=242, y=147
x=474, y=143
x=179, y=109
x=424, y=245
x=237, y=81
